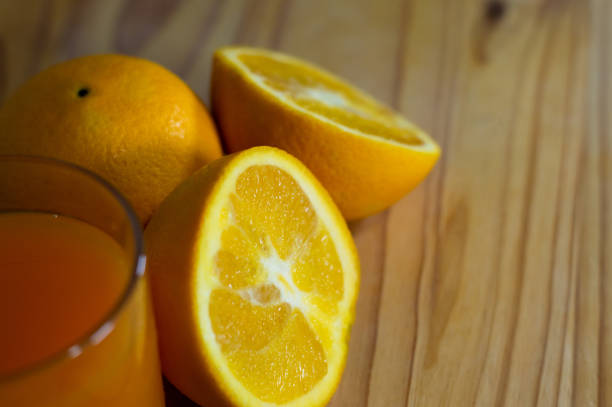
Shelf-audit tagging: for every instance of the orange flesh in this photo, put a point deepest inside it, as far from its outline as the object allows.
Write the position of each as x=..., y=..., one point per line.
x=280, y=282
x=329, y=98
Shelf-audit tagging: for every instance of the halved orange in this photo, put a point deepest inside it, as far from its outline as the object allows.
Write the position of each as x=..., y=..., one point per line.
x=254, y=277
x=366, y=155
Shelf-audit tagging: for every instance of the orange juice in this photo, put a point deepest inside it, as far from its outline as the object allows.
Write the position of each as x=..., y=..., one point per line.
x=60, y=280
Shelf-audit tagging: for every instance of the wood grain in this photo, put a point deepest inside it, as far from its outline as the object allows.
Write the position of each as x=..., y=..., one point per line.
x=491, y=283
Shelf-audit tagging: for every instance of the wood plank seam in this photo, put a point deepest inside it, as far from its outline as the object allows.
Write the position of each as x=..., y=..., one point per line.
x=442, y=109
x=603, y=196
x=561, y=186
x=200, y=38
x=574, y=42
x=377, y=305
x=526, y=211
x=441, y=140
x=507, y=170
x=395, y=93
x=244, y=23
x=281, y=20
x=41, y=39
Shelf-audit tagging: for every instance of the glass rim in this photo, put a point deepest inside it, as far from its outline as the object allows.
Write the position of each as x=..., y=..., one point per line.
x=105, y=326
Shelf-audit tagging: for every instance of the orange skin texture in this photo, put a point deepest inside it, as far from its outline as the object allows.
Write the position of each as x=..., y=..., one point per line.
x=139, y=126
x=363, y=175
x=172, y=266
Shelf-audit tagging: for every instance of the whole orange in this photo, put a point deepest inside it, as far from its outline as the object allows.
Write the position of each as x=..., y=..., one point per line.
x=128, y=119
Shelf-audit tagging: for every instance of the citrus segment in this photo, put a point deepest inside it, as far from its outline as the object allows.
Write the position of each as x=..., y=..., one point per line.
x=272, y=279
x=290, y=363
x=268, y=204
x=288, y=368
x=316, y=92
x=240, y=325
x=237, y=263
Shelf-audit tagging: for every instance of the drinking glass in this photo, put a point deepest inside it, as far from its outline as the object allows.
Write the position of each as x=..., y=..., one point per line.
x=76, y=324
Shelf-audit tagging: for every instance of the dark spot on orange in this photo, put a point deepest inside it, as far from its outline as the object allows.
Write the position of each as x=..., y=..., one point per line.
x=83, y=92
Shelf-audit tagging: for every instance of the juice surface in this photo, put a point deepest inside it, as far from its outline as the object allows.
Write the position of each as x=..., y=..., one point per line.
x=59, y=277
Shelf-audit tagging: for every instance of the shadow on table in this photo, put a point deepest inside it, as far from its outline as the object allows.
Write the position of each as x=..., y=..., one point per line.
x=174, y=398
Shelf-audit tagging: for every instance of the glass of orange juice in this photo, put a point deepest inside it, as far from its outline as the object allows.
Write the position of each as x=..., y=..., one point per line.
x=76, y=327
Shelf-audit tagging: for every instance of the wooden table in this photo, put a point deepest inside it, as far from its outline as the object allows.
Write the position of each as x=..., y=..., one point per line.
x=491, y=283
